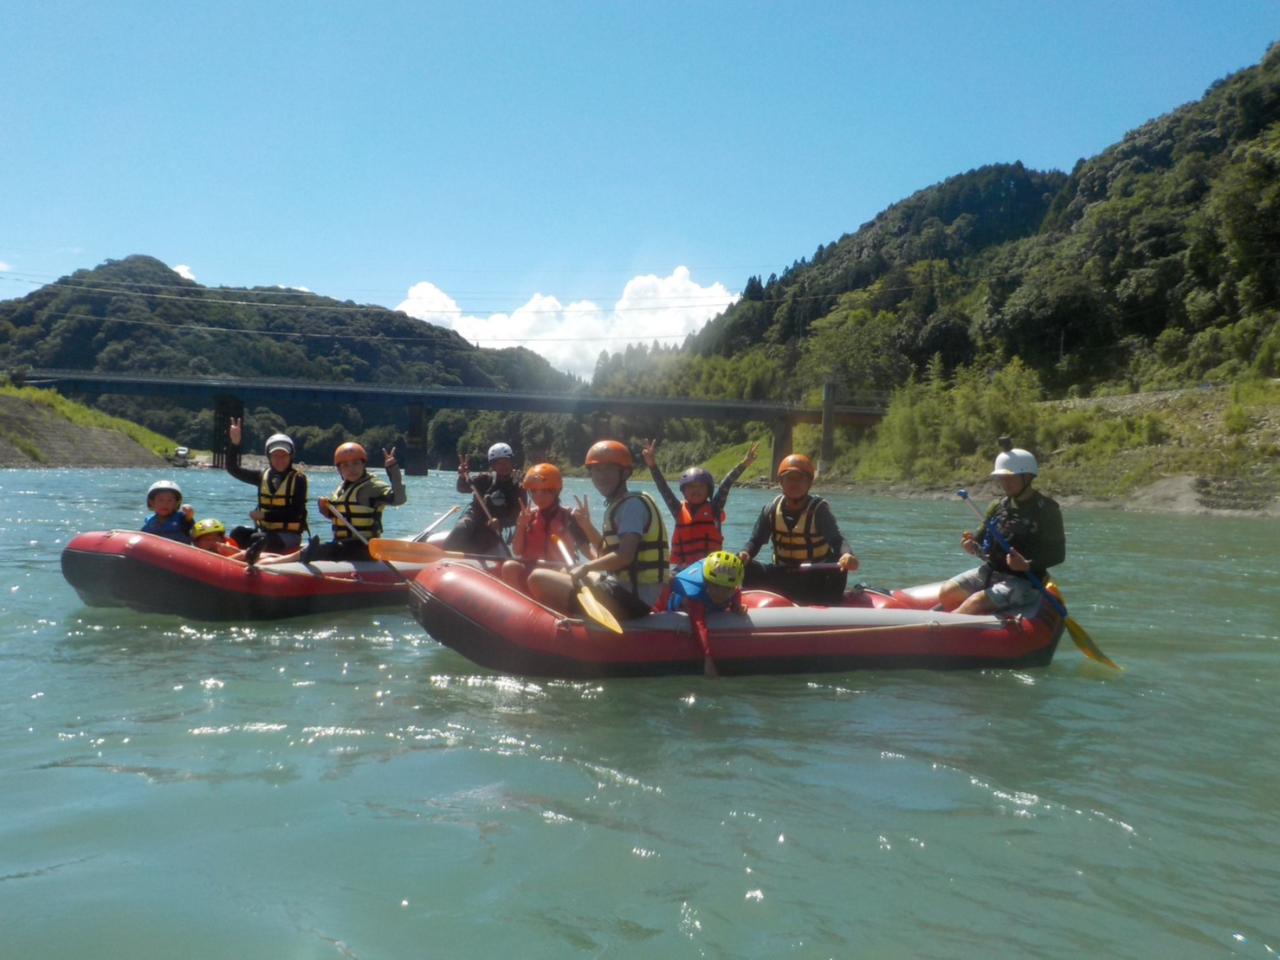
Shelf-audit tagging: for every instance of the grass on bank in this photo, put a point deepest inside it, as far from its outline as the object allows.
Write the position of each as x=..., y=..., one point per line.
x=81, y=416
x=939, y=432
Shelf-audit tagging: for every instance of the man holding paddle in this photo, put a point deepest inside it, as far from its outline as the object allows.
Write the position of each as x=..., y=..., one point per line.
x=495, y=506
x=632, y=549
x=1030, y=540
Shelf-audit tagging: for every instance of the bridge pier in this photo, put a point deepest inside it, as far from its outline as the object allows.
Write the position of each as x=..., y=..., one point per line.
x=782, y=439
x=415, y=458
x=225, y=409
x=827, y=451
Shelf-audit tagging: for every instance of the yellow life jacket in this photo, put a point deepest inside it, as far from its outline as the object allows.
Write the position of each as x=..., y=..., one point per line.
x=368, y=520
x=650, y=562
x=799, y=541
x=281, y=497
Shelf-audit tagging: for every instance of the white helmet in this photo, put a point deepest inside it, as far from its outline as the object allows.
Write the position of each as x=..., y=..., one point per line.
x=163, y=485
x=279, y=441
x=1014, y=461
x=499, y=450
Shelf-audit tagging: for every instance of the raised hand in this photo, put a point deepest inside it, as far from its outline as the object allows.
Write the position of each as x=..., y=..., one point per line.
x=388, y=457
x=647, y=452
x=750, y=458
x=234, y=432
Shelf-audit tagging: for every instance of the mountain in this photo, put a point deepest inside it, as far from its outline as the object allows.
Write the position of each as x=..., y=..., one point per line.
x=137, y=315
x=1155, y=263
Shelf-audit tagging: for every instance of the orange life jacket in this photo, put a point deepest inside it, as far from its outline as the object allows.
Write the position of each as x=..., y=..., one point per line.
x=537, y=536
x=697, y=533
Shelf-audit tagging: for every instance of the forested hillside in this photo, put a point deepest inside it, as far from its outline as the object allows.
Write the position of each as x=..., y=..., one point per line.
x=1155, y=264
x=138, y=315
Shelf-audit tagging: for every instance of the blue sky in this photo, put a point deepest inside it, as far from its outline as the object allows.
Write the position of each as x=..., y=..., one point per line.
x=564, y=175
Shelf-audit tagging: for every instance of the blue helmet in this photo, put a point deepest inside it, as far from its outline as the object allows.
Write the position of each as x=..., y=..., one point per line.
x=697, y=475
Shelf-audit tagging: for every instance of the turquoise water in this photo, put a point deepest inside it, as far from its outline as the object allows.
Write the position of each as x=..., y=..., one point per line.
x=346, y=787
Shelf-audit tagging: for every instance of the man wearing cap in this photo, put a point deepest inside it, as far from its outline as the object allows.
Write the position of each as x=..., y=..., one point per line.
x=1029, y=522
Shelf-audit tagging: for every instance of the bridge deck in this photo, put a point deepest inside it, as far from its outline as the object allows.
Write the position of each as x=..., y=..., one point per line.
x=464, y=398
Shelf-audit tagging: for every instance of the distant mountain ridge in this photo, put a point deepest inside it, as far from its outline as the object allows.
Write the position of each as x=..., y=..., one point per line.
x=1154, y=264
x=137, y=315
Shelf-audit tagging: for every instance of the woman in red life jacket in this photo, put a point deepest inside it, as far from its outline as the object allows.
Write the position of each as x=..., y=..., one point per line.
x=699, y=516
x=538, y=524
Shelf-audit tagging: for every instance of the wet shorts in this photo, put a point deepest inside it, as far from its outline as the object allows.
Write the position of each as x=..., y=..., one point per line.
x=1004, y=590
x=621, y=600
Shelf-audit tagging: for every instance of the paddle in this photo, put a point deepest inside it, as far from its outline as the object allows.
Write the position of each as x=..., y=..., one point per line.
x=591, y=606
x=414, y=587
x=488, y=516
x=1082, y=639
x=439, y=520
x=409, y=551
x=698, y=617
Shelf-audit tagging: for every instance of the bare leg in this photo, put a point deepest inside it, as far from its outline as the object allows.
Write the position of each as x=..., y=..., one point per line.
x=952, y=595
x=513, y=575
x=976, y=603
x=551, y=588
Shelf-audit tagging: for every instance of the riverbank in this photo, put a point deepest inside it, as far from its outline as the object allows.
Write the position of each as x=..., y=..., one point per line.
x=1210, y=451
x=36, y=434
x=1184, y=494
x=1197, y=432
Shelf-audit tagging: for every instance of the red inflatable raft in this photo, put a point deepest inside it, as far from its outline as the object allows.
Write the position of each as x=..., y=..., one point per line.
x=114, y=568
x=476, y=614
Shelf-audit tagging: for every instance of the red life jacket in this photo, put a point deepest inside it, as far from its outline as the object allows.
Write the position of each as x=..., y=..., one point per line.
x=697, y=533
x=537, y=537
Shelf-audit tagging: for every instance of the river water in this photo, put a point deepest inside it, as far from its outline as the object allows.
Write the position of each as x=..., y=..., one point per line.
x=346, y=787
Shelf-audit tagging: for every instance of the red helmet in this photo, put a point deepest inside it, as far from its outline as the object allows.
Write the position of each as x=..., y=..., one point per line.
x=609, y=451
x=348, y=452
x=797, y=461
x=543, y=476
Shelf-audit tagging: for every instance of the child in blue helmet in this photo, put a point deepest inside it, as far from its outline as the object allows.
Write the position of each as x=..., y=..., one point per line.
x=699, y=516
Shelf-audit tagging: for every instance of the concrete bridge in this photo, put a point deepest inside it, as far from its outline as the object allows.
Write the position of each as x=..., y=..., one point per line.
x=228, y=396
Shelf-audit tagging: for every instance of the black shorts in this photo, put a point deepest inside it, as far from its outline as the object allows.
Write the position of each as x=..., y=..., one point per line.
x=805, y=587
x=615, y=595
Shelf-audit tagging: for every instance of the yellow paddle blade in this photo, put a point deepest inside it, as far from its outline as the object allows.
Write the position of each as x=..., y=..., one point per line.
x=597, y=611
x=592, y=607
x=1087, y=646
x=406, y=551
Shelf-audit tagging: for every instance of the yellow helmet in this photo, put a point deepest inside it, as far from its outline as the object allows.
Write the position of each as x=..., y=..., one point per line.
x=207, y=526
x=724, y=569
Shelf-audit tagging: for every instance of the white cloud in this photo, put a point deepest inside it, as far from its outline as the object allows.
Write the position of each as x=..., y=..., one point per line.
x=183, y=271
x=4, y=267
x=571, y=337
